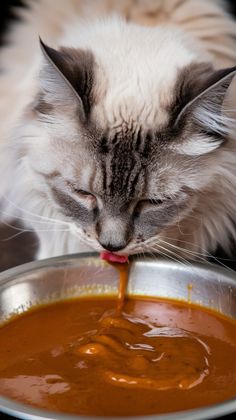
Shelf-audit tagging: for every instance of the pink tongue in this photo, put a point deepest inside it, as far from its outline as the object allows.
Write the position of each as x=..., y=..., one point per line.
x=109, y=256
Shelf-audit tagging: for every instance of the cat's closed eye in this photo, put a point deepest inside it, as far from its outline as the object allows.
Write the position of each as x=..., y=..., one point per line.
x=85, y=197
x=82, y=192
x=147, y=204
x=154, y=201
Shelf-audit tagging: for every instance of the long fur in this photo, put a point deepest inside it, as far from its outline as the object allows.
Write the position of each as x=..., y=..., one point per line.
x=203, y=30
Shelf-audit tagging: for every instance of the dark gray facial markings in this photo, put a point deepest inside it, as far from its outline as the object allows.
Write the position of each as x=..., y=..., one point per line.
x=71, y=208
x=124, y=158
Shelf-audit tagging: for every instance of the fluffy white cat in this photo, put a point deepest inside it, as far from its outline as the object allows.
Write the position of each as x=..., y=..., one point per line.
x=119, y=132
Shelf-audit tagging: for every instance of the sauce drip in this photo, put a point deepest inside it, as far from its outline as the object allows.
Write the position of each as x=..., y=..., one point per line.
x=123, y=282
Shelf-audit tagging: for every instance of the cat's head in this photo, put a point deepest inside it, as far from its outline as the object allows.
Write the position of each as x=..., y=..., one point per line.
x=126, y=146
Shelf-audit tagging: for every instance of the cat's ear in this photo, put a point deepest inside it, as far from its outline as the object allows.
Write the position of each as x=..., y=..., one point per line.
x=202, y=93
x=67, y=76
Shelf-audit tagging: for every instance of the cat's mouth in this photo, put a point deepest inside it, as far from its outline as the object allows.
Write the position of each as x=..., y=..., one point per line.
x=110, y=256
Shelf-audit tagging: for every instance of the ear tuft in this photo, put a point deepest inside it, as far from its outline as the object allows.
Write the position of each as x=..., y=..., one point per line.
x=205, y=90
x=68, y=75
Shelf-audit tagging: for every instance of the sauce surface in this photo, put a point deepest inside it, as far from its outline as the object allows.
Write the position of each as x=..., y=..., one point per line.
x=86, y=356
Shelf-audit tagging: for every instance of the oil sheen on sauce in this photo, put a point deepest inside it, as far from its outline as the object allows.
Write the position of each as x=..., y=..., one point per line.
x=143, y=356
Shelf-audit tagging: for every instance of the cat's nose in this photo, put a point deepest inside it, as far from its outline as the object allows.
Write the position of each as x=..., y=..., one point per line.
x=112, y=233
x=111, y=247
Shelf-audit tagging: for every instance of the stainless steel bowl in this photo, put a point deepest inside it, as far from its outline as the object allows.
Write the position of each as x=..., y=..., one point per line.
x=86, y=274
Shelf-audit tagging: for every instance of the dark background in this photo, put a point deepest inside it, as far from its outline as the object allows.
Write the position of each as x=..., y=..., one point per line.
x=22, y=248
x=7, y=12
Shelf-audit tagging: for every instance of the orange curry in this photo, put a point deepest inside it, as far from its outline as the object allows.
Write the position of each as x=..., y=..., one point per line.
x=146, y=356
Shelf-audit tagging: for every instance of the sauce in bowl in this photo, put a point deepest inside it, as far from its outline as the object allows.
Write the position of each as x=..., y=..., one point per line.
x=149, y=356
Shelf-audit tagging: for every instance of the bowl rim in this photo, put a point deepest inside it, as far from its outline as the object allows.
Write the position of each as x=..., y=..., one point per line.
x=26, y=412
x=23, y=411
x=21, y=269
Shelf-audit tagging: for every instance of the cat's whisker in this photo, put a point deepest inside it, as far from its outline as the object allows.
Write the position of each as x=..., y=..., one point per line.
x=197, y=253
x=183, y=250
x=159, y=249
x=184, y=260
x=179, y=224
x=16, y=227
x=87, y=241
x=205, y=253
x=199, y=218
x=142, y=250
x=208, y=255
x=163, y=254
x=221, y=263
x=179, y=259
x=28, y=220
x=49, y=219
x=150, y=252
x=23, y=230
x=45, y=227
x=12, y=236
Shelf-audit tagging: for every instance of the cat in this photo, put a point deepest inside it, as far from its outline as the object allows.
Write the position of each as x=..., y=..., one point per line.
x=118, y=127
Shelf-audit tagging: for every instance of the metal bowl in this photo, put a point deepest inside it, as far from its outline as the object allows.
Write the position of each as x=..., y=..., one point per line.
x=85, y=274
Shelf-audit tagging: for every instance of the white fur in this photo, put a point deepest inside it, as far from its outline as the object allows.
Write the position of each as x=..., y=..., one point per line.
x=197, y=145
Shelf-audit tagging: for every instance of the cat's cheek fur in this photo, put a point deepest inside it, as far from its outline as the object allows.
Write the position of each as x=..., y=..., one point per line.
x=152, y=223
x=56, y=243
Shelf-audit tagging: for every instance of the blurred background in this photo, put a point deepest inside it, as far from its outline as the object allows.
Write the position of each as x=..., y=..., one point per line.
x=7, y=11
x=16, y=245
